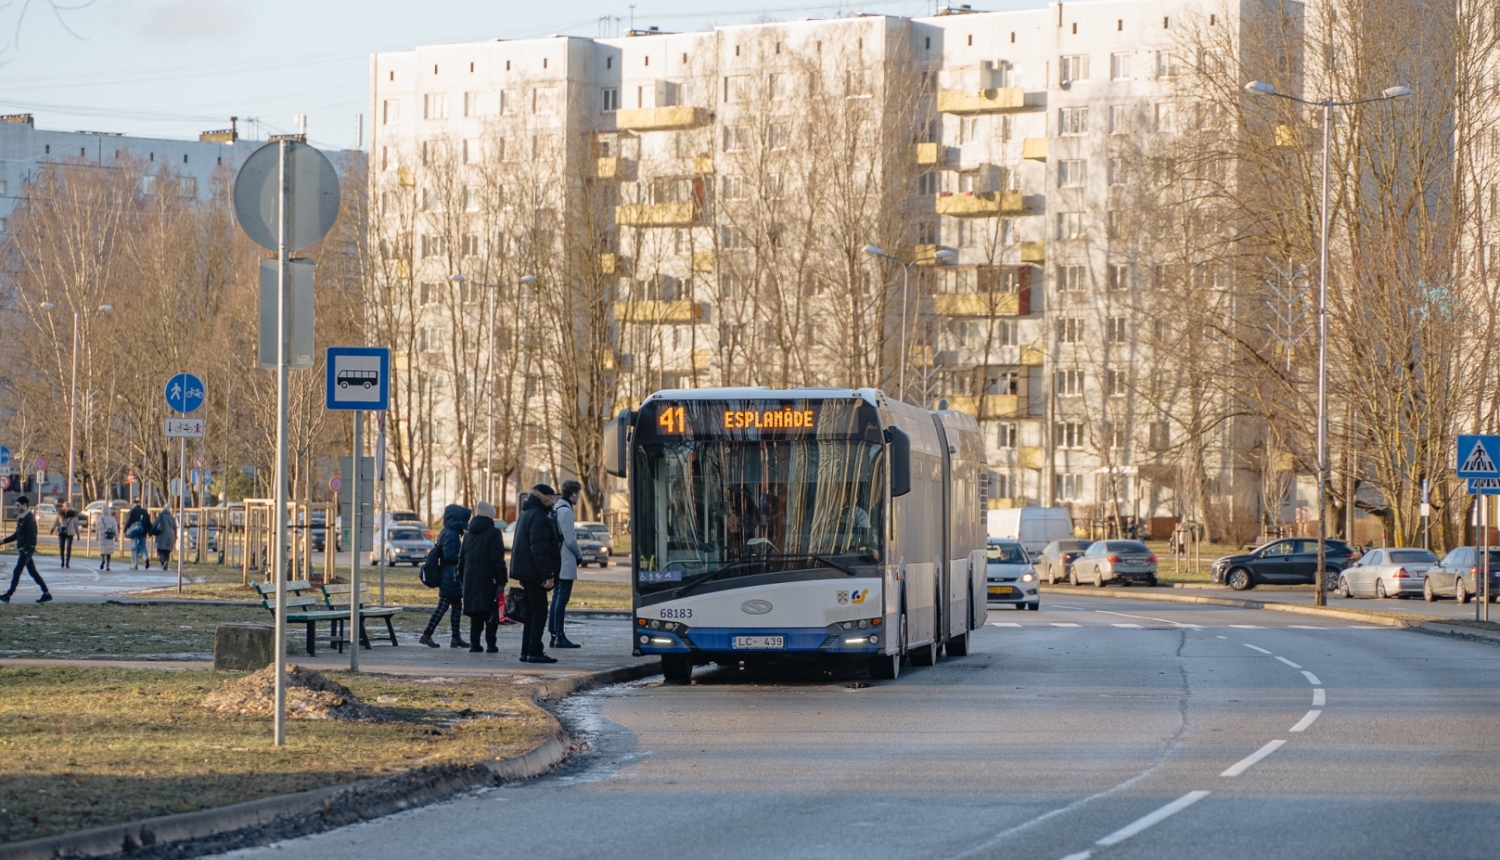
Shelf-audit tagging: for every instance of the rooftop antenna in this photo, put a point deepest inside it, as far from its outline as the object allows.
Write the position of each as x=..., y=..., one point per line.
x=632, y=17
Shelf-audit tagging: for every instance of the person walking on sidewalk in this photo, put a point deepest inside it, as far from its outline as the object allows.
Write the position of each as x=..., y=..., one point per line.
x=24, y=537
x=533, y=563
x=109, y=537
x=567, y=570
x=482, y=563
x=66, y=529
x=451, y=591
x=165, y=530
x=138, y=528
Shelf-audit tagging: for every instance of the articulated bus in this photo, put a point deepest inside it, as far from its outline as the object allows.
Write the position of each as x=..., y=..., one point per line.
x=834, y=523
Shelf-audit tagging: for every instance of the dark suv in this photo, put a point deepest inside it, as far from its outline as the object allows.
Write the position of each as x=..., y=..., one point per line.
x=1289, y=561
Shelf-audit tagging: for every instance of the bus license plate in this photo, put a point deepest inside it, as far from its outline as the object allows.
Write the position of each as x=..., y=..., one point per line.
x=761, y=643
x=1002, y=591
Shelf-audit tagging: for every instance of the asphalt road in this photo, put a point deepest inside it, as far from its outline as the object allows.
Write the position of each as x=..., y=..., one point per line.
x=1102, y=728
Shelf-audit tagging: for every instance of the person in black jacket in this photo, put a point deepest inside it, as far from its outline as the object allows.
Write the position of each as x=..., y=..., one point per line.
x=451, y=591
x=534, y=562
x=138, y=553
x=24, y=537
x=482, y=563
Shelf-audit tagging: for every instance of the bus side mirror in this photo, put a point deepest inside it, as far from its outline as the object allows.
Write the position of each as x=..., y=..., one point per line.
x=900, y=461
x=616, y=443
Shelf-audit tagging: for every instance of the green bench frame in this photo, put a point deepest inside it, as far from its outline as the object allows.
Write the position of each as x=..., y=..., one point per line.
x=336, y=598
x=304, y=608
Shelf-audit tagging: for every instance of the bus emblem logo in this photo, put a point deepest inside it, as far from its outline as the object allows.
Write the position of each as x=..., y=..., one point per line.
x=756, y=607
x=842, y=597
x=859, y=596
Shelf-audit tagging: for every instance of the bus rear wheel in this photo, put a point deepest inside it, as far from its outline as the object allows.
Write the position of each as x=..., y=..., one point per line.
x=677, y=668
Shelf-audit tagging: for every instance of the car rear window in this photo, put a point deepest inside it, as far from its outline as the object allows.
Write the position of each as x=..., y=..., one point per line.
x=1127, y=546
x=1412, y=556
x=406, y=534
x=1007, y=553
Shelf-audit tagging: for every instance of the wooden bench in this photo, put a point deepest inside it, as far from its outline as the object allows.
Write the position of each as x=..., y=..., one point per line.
x=303, y=607
x=336, y=597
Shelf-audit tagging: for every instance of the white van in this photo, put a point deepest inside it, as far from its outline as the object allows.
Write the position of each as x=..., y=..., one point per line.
x=1034, y=528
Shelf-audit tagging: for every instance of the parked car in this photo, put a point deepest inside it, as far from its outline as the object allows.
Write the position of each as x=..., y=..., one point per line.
x=407, y=518
x=1387, y=572
x=1287, y=561
x=1053, y=563
x=1033, y=528
x=599, y=532
x=593, y=551
x=1124, y=561
x=90, y=513
x=46, y=517
x=192, y=533
x=1457, y=575
x=1009, y=576
x=402, y=543
x=317, y=526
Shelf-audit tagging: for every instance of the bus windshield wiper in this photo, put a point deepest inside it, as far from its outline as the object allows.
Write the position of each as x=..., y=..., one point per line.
x=718, y=574
x=708, y=577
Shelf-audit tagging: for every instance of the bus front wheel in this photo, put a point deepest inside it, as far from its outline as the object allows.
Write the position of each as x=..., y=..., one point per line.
x=885, y=667
x=677, y=668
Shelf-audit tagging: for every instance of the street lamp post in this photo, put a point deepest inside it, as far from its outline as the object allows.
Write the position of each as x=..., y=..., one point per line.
x=73, y=399
x=875, y=251
x=1266, y=89
x=489, y=433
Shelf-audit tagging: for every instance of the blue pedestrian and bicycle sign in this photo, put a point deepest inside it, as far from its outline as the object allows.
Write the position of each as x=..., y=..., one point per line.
x=184, y=393
x=4, y=456
x=359, y=378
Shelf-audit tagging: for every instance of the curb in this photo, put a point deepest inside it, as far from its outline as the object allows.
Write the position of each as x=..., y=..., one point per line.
x=1473, y=634
x=1273, y=606
x=269, y=819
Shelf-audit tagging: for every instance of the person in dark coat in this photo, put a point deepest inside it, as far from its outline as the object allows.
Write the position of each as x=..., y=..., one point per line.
x=482, y=563
x=451, y=591
x=138, y=553
x=534, y=562
x=24, y=537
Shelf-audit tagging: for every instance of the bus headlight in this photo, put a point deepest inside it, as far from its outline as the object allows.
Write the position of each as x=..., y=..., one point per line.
x=645, y=640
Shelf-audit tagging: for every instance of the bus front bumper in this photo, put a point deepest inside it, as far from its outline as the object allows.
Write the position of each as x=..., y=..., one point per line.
x=865, y=636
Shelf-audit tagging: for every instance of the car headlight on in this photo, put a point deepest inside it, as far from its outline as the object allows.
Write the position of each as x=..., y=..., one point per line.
x=1028, y=576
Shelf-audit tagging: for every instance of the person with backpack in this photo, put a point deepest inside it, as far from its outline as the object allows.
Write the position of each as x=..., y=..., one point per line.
x=534, y=562
x=24, y=537
x=137, y=528
x=570, y=556
x=482, y=563
x=450, y=586
x=66, y=529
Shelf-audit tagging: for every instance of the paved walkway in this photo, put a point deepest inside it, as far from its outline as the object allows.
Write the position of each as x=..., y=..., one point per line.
x=85, y=582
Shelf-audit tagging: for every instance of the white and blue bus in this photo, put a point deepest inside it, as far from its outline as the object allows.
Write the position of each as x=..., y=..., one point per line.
x=822, y=522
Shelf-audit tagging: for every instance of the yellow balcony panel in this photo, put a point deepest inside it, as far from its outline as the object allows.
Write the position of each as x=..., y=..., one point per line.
x=919, y=255
x=1032, y=356
x=989, y=405
x=659, y=118
x=1028, y=457
x=609, y=168
x=656, y=215
x=609, y=264
x=406, y=177
x=703, y=164
x=702, y=358
x=924, y=153
x=1285, y=136
x=657, y=312
x=1033, y=252
x=976, y=304
x=703, y=261
x=1034, y=149
x=1001, y=504
x=981, y=101
x=981, y=204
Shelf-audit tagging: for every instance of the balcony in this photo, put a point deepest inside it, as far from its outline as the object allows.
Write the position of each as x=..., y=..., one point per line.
x=1029, y=457
x=1034, y=252
x=927, y=154
x=703, y=261
x=978, y=305
x=981, y=101
x=1032, y=356
x=1034, y=149
x=702, y=359
x=610, y=168
x=703, y=164
x=680, y=311
x=658, y=215
x=987, y=406
x=980, y=204
x=660, y=118
x=613, y=264
x=919, y=255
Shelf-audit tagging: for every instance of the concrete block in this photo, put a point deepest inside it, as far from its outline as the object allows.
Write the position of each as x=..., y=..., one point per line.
x=244, y=646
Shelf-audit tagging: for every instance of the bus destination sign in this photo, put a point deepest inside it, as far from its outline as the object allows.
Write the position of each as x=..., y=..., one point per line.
x=676, y=420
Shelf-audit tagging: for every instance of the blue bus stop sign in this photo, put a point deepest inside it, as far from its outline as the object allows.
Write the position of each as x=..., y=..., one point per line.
x=184, y=393
x=359, y=378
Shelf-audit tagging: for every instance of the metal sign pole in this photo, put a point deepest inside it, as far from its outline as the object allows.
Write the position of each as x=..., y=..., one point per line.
x=380, y=477
x=1484, y=590
x=283, y=301
x=182, y=517
x=1484, y=549
x=354, y=547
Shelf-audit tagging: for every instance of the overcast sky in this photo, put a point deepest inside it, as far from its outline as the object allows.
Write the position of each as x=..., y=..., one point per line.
x=173, y=68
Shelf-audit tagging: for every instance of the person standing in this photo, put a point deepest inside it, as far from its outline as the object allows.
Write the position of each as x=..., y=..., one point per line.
x=567, y=571
x=138, y=528
x=482, y=563
x=533, y=563
x=24, y=537
x=451, y=590
x=66, y=529
x=109, y=536
x=165, y=530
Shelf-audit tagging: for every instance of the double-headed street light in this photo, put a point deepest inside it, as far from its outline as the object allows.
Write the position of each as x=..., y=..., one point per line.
x=73, y=399
x=875, y=251
x=1266, y=89
x=489, y=434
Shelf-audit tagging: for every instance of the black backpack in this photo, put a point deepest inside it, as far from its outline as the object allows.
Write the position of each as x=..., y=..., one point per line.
x=432, y=568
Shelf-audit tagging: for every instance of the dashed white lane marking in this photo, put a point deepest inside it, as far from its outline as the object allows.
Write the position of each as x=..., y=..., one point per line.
x=1064, y=624
x=1289, y=662
x=1247, y=627
x=1306, y=721
x=1125, y=624
x=1256, y=648
x=1156, y=817
x=1311, y=678
x=1082, y=855
x=1150, y=618
x=1221, y=637
x=1004, y=624
x=1245, y=763
x=1305, y=627
x=1319, y=700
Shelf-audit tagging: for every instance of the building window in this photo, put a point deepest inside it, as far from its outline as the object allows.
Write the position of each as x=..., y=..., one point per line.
x=609, y=99
x=1114, y=330
x=1006, y=434
x=777, y=136
x=1166, y=118
x=1072, y=173
x=734, y=188
x=187, y=187
x=1118, y=276
x=390, y=112
x=1115, y=436
x=1161, y=435
x=1000, y=486
x=733, y=238
x=736, y=138
x=781, y=86
x=1117, y=172
x=471, y=151
x=544, y=101
x=1114, y=382
x=1069, y=278
x=737, y=88
x=388, y=203
x=1073, y=68
x=435, y=106
x=471, y=104
x=1167, y=65
x=508, y=101
x=1070, y=330
x=928, y=182
x=471, y=198
x=433, y=245
x=1070, y=225
x=1119, y=67
x=1070, y=434
x=1068, y=383
x=1117, y=222
x=1073, y=121
x=857, y=83
x=968, y=129
x=774, y=187
x=1069, y=487
x=470, y=245
x=1007, y=333
x=1003, y=382
x=1119, y=119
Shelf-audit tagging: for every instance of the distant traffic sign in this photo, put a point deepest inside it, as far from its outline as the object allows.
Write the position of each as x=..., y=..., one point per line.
x=336, y=483
x=4, y=455
x=184, y=428
x=1484, y=486
x=40, y=464
x=184, y=393
x=1478, y=456
x=359, y=378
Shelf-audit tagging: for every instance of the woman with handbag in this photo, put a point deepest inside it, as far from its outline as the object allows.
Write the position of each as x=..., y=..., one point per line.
x=482, y=561
x=534, y=562
x=165, y=531
x=66, y=528
x=109, y=536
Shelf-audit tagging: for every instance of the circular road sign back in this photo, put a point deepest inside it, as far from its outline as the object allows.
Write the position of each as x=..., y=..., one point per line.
x=314, y=195
x=184, y=393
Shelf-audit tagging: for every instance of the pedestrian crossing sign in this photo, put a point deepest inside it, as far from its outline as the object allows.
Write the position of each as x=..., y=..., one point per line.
x=1477, y=456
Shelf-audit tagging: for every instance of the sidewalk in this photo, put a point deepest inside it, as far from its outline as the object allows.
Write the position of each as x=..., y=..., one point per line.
x=85, y=582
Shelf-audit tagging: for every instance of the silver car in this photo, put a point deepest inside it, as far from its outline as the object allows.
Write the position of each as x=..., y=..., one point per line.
x=402, y=543
x=599, y=532
x=1458, y=575
x=1052, y=565
x=1387, y=572
x=1009, y=576
x=1122, y=561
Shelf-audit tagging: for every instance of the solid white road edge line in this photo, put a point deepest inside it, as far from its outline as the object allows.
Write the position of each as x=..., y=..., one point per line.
x=1159, y=815
x=1311, y=678
x=1318, y=698
x=1256, y=648
x=1289, y=662
x=1306, y=721
x=1245, y=763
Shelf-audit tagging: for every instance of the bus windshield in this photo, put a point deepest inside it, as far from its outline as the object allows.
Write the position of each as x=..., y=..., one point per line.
x=725, y=508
